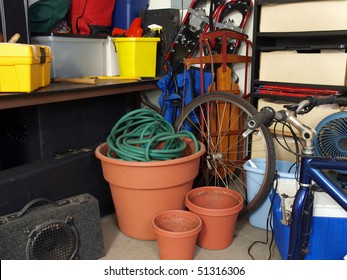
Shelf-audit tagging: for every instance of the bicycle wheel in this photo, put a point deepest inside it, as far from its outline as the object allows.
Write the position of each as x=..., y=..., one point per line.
x=218, y=120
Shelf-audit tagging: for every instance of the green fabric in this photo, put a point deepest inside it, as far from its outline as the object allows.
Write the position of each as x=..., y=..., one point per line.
x=45, y=14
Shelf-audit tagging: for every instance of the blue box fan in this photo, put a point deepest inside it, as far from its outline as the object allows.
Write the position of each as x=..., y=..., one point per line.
x=331, y=139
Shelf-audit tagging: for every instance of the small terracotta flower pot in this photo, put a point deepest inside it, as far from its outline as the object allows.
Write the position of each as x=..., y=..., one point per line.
x=177, y=231
x=218, y=209
x=142, y=189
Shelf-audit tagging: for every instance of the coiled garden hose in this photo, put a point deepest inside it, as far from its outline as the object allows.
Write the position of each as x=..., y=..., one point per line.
x=144, y=135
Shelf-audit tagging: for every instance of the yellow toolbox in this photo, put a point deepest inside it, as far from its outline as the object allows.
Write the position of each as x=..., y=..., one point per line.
x=23, y=67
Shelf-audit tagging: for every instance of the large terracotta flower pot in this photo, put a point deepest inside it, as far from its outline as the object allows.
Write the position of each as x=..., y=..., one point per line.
x=177, y=231
x=142, y=189
x=218, y=209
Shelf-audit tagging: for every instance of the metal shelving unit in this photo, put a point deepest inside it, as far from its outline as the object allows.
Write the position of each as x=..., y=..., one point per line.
x=307, y=41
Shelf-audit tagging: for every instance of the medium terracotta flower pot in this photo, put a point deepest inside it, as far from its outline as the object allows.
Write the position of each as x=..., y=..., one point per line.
x=177, y=231
x=142, y=189
x=218, y=209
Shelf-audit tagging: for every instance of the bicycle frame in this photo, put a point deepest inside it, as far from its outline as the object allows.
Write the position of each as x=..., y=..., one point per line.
x=300, y=228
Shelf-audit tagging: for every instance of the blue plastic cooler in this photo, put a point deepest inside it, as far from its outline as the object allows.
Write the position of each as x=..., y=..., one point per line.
x=328, y=240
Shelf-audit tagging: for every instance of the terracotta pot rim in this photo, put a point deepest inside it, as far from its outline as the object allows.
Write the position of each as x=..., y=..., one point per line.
x=210, y=211
x=115, y=161
x=177, y=234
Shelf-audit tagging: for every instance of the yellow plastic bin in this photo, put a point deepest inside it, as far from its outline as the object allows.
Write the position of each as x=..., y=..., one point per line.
x=137, y=56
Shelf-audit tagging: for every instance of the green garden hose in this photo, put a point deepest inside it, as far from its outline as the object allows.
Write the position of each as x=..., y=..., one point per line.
x=144, y=135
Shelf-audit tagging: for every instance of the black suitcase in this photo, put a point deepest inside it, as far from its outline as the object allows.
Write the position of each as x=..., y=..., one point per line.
x=14, y=19
x=55, y=179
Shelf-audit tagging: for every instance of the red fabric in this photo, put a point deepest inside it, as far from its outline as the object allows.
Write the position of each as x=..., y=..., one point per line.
x=86, y=13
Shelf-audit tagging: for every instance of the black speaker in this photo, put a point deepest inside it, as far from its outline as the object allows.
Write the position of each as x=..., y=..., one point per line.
x=62, y=230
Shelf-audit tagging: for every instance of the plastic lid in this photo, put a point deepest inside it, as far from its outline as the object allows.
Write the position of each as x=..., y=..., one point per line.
x=325, y=206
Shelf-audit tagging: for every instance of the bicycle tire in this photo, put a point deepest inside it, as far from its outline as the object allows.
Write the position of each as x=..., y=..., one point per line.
x=226, y=150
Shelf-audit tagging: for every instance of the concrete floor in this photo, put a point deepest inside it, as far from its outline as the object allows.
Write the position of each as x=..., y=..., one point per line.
x=118, y=246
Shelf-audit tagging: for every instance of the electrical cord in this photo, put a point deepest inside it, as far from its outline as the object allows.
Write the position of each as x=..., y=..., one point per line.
x=284, y=137
x=268, y=240
x=144, y=135
x=287, y=147
x=296, y=164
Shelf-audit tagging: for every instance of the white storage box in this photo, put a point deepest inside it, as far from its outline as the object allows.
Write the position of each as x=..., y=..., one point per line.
x=79, y=57
x=304, y=68
x=304, y=16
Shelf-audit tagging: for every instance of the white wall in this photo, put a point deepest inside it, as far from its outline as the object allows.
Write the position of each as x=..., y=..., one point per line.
x=160, y=4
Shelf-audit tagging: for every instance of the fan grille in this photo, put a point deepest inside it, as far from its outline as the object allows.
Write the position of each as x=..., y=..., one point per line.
x=53, y=240
x=331, y=140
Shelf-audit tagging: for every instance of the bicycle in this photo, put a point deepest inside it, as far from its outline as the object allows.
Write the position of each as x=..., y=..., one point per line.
x=312, y=169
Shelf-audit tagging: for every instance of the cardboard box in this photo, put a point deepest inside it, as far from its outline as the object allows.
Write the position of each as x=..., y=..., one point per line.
x=303, y=68
x=23, y=67
x=304, y=16
x=281, y=153
x=78, y=57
